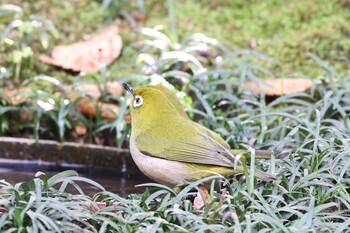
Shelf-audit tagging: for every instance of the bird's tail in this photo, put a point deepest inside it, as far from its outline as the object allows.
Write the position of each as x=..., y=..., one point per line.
x=263, y=175
x=257, y=173
x=261, y=154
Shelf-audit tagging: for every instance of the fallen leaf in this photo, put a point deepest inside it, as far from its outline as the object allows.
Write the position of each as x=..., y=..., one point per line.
x=103, y=205
x=113, y=88
x=90, y=107
x=281, y=86
x=198, y=201
x=139, y=17
x=14, y=97
x=127, y=119
x=109, y=111
x=87, y=56
x=80, y=130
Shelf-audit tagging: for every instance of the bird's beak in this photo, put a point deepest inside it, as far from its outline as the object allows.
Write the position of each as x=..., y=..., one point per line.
x=129, y=88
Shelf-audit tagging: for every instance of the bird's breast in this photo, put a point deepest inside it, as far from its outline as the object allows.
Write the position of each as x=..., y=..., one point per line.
x=160, y=170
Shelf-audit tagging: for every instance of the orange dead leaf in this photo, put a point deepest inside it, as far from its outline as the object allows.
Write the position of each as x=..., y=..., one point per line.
x=103, y=205
x=91, y=107
x=281, y=86
x=80, y=130
x=198, y=202
x=139, y=19
x=113, y=88
x=87, y=56
x=14, y=96
x=127, y=119
x=109, y=111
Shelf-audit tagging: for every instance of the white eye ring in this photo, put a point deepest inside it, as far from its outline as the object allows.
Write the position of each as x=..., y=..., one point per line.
x=138, y=101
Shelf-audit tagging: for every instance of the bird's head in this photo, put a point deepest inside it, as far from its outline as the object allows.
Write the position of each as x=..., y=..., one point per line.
x=150, y=104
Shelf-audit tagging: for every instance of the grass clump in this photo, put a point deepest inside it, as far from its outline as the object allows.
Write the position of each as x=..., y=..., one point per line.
x=311, y=192
x=39, y=207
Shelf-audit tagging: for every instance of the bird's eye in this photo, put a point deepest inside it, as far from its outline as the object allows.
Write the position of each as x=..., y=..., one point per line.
x=138, y=101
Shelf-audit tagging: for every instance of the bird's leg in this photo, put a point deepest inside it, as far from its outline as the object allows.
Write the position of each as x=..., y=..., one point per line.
x=202, y=193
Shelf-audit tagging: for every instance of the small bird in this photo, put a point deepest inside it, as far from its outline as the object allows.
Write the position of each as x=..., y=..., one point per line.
x=259, y=154
x=170, y=148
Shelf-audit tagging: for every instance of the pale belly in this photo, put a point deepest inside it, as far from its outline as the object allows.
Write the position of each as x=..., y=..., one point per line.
x=160, y=170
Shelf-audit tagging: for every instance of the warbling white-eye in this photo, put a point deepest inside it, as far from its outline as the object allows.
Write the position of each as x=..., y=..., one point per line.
x=170, y=148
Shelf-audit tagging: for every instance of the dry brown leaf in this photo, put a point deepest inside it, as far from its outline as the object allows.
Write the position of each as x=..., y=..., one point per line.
x=139, y=17
x=103, y=205
x=87, y=56
x=113, y=88
x=198, y=201
x=109, y=111
x=281, y=86
x=90, y=107
x=80, y=130
x=14, y=97
x=127, y=119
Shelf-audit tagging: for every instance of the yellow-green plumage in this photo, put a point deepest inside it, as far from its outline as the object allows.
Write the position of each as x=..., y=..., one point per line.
x=170, y=148
x=172, y=98
x=259, y=154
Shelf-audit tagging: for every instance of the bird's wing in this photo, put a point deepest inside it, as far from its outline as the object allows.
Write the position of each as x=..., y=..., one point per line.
x=201, y=148
x=216, y=137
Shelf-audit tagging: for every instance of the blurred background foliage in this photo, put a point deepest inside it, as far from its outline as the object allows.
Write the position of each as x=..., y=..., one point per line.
x=283, y=30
